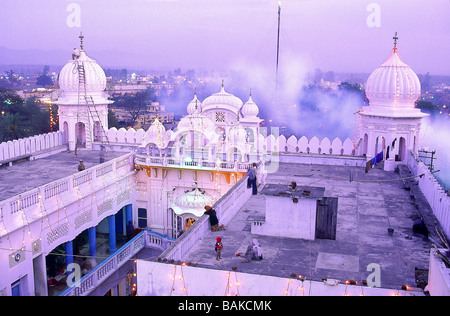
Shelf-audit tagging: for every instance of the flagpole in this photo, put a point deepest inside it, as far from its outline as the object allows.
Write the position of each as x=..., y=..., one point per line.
x=278, y=43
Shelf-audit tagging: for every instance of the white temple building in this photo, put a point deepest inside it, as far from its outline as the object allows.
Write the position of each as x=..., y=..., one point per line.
x=136, y=212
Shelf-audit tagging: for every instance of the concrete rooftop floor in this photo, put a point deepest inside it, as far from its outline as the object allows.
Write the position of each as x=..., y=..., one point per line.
x=365, y=211
x=26, y=175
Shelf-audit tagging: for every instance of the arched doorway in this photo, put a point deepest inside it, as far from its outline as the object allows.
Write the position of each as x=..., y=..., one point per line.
x=365, y=143
x=234, y=154
x=97, y=131
x=80, y=134
x=402, y=149
x=380, y=144
x=66, y=132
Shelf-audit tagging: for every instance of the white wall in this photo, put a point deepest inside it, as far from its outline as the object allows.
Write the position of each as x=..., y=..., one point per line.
x=438, y=276
x=31, y=145
x=163, y=279
x=432, y=190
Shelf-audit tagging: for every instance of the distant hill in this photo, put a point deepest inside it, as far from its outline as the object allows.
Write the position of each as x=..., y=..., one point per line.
x=38, y=57
x=33, y=57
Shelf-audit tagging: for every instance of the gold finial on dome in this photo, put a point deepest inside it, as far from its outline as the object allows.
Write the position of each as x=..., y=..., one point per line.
x=81, y=37
x=395, y=38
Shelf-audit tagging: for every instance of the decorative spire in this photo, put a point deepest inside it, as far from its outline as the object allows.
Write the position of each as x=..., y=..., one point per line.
x=222, y=83
x=395, y=38
x=250, y=92
x=81, y=37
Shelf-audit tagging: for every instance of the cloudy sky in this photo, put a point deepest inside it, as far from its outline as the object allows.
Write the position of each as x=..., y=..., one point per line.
x=344, y=35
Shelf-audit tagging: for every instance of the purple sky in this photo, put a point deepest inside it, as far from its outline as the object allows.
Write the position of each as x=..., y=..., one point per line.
x=216, y=34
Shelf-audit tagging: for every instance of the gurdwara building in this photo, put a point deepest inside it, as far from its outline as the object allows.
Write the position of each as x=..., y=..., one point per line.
x=332, y=217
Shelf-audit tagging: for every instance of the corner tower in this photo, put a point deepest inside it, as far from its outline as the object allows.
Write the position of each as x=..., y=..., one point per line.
x=82, y=101
x=391, y=123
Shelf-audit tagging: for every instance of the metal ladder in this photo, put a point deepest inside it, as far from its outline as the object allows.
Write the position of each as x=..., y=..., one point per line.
x=92, y=109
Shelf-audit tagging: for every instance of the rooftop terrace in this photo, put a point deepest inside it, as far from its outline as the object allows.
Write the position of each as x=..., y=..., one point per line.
x=26, y=175
x=367, y=207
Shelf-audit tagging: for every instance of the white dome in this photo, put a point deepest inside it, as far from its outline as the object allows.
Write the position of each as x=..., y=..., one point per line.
x=156, y=131
x=393, y=84
x=94, y=74
x=223, y=100
x=250, y=109
x=195, y=106
x=195, y=122
x=194, y=199
x=193, y=202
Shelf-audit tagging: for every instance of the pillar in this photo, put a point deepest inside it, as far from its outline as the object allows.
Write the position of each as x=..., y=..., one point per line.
x=92, y=242
x=112, y=233
x=128, y=216
x=69, y=253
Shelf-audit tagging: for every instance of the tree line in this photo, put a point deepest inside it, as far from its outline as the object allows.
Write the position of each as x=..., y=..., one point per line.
x=21, y=118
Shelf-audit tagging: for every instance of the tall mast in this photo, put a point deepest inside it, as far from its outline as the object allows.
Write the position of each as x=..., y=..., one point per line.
x=278, y=41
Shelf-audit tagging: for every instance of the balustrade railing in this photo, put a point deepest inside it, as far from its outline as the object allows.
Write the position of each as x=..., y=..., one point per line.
x=143, y=159
x=49, y=196
x=127, y=252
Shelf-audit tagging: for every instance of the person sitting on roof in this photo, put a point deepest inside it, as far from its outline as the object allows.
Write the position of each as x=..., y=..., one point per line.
x=75, y=54
x=213, y=220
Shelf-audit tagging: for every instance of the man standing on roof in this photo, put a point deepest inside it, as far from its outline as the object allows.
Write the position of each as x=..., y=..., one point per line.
x=81, y=166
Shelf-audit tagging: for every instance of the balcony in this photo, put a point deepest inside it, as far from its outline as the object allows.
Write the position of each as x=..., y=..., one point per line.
x=95, y=277
x=194, y=164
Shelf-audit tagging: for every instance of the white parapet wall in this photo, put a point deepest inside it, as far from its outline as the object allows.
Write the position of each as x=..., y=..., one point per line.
x=183, y=279
x=432, y=190
x=439, y=274
x=32, y=146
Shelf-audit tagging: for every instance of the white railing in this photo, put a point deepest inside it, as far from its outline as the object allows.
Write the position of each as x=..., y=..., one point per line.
x=432, y=190
x=30, y=204
x=146, y=160
x=105, y=269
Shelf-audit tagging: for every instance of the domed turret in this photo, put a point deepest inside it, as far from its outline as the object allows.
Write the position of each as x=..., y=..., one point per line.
x=390, y=125
x=250, y=109
x=82, y=101
x=195, y=106
x=393, y=87
x=156, y=131
x=69, y=77
x=223, y=100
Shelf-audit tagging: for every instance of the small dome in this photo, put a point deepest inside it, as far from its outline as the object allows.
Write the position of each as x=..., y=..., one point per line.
x=193, y=202
x=194, y=199
x=195, y=106
x=250, y=109
x=95, y=78
x=156, y=130
x=393, y=84
x=196, y=122
x=222, y=99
